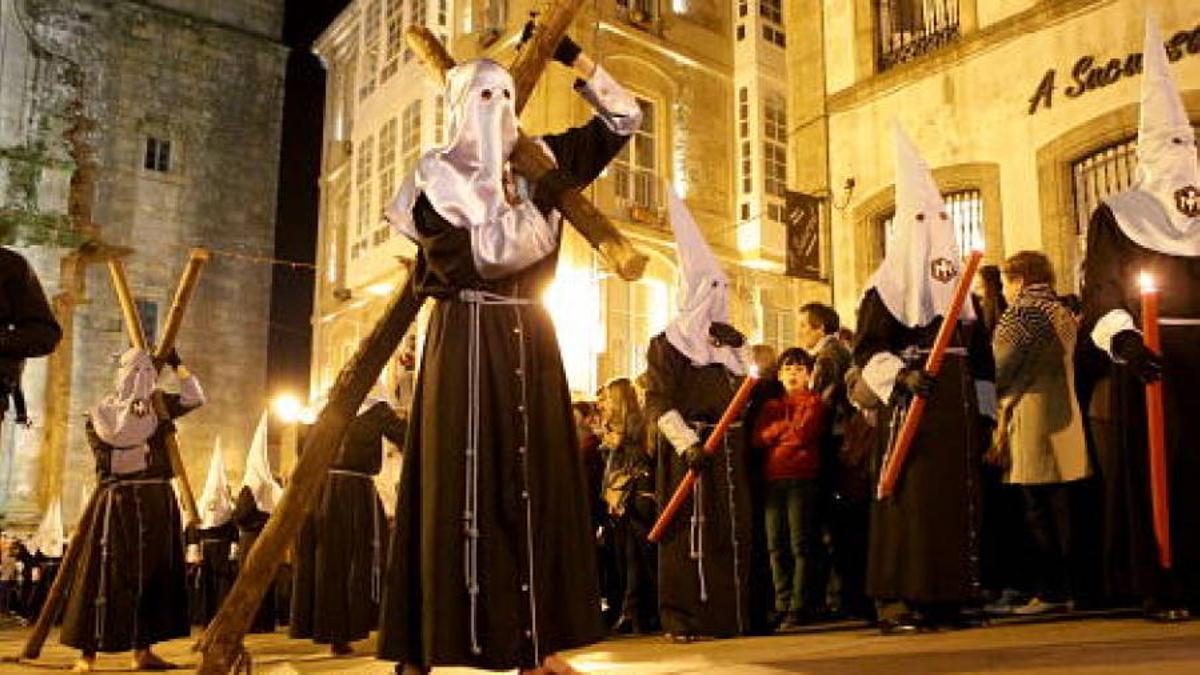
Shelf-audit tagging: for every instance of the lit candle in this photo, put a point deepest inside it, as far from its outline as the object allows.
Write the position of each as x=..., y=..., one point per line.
x=1156, y=447
x=734, y=410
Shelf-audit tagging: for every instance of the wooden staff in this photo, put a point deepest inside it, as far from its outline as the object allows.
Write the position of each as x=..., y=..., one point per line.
x=528, y=159
x=129, y=314
x=183, y=297
x=912, y=422
x=1156, y=428
x=732, y=412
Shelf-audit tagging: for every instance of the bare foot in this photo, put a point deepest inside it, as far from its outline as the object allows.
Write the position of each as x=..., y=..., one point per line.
x=84, y=664
x=144, y=659
x=558, y=665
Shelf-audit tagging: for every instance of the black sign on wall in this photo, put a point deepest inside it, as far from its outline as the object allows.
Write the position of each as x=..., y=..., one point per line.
x=803, y=218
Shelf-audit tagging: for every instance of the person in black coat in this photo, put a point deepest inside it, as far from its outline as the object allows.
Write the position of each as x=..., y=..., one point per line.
x=27, y=327
x=339, y=601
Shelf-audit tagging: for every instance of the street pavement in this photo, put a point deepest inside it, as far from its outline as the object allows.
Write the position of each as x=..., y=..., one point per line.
x=1073, y=644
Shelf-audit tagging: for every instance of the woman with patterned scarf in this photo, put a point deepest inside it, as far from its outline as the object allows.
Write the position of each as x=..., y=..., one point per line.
x=1039, y=440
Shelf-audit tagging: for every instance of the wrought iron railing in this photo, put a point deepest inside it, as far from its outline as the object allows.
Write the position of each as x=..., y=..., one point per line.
x=911, y=28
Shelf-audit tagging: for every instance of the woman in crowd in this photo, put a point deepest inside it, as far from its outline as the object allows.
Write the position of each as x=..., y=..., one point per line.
x=1039, y=440
x=629, y=499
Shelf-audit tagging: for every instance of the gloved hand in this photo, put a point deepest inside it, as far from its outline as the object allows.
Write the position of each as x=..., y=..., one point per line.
x=725, y=335
x=1145, y=364
x=565, y=53
x=697, y=459
x=917, y=381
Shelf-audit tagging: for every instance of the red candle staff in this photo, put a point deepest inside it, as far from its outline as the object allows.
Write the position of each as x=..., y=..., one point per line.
x=1157, y=449
x=908, y=432
x=732, y=412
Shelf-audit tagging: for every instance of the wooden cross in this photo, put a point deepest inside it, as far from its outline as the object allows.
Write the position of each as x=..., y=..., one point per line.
x=137, y=336
x=221, y=647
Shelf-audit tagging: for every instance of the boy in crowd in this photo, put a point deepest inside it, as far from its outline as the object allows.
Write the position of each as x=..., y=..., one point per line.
x=790, y=430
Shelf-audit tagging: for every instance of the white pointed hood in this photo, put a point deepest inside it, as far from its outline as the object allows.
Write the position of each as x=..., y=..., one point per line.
x=258, y=476
x=703, y=293
x=917, y=277
x=1161, y=210
x=216, y=502
x=51, y=538
x=125, y=418
x=464, y=180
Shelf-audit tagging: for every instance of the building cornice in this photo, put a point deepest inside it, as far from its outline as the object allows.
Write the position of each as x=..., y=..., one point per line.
x=676, y=54
x=976, y=43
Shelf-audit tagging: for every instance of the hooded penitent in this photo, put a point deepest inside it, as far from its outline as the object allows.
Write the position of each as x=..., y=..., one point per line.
x=917, y=278
x=1161, y=211
x=464, y=180
x=703, y=294
x=258, y=475
x=216, y=502
x=51, y=538
x=125, y=418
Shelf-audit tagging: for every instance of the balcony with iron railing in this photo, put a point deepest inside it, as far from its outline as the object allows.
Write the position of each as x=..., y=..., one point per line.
x=909, y=29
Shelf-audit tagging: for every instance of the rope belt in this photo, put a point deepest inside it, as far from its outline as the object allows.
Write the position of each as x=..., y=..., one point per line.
x=476, y=300
x=696, y=531
x=353, y=474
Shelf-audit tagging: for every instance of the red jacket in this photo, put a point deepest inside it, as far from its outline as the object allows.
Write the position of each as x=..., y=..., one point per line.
x=790, y=430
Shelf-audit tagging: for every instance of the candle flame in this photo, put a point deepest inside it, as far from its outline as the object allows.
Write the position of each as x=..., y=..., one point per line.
x=1146, y=282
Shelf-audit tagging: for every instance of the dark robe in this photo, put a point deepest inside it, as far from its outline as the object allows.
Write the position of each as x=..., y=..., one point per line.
x=339, y=602
x=250, y=522
x=706, y=595
x=535, y=551
x=27, y=326
x=924, y=540
x=1117, y=411
x=130, y=589
x=214, y=574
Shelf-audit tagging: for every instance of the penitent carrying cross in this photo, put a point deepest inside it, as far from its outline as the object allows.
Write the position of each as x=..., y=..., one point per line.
x=221, y=647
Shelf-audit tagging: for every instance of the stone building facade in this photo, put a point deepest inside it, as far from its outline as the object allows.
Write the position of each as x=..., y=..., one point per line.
x=682, y=60
x=1026, y=111
x=139, y=128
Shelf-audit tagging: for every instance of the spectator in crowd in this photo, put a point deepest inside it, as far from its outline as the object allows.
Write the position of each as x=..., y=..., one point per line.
x=588, y=425
x=762, y=616
x=10, y=576
x=1039, y=440
x=629, y=498
x=790, y=431
x=841, y=519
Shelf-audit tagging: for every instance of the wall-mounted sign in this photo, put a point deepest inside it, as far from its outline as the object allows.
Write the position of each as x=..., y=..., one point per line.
x=802, y=214
x=1090, y=73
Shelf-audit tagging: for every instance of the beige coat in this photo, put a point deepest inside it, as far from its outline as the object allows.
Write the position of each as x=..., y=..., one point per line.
x=1035, y=380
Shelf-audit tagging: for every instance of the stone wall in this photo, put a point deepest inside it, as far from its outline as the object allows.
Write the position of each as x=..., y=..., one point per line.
x=208, y=77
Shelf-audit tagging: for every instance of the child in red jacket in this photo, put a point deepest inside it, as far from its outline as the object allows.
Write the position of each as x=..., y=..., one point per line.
x=789, y=430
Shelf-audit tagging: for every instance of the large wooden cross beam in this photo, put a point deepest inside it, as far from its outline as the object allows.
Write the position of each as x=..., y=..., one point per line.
x=221, y=647
x=137, y=337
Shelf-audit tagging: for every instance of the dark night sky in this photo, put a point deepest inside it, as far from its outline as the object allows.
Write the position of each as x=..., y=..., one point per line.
x=296, y=216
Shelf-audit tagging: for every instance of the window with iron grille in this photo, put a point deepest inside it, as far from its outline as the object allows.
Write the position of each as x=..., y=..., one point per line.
x=372, y=23
x=635, y=168
x=911, y=28
x=1099, y=174
x=965, y=208
x=395, y=39
x=158, y=155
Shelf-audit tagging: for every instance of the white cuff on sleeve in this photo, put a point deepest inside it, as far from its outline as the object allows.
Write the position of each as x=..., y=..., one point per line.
x=985, y=394
x=616, y=106
x=880, y=374
x=1107, y=328
x=677, y=431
